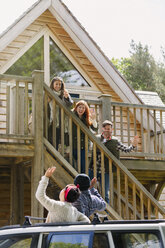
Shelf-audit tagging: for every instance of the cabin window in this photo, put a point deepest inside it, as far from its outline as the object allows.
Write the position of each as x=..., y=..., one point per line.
x=29, y=61
x=61, y=66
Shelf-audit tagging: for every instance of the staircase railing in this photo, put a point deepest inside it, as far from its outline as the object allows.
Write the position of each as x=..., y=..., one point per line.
x=127, y=196
x=146, y=121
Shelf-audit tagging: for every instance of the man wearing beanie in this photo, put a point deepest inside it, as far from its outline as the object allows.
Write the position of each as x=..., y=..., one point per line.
x=90, y=200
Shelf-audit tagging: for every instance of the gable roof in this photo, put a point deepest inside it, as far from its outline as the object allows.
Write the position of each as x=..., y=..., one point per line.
x=25, y=30
x=150, y=98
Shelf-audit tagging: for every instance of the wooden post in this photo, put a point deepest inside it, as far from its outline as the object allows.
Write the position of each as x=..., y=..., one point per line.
x=38, y=164
x=106, y=109
x=17, y=195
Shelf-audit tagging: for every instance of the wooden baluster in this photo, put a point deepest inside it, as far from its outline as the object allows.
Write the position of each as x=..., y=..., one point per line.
x=70, y=141
x=128, y=126
x=142, y=131
x=135, y=129
x=114, y=120
x=62, y=131
x=134, y=200
x=149, y=208
x=78, y=149
x=45, y=115
x=17, y=108
x=148, y=131
x=155, y=134
x=161, y=130
x=102, y=175
x=54, y=123
x=156, y=213
x=118, y=192
x=94, y=160
x=8, y=110
x=111, y=197
x=126, y=196
x=86, y=154
x=141, y=205
x=121, y=123
x=26, y=109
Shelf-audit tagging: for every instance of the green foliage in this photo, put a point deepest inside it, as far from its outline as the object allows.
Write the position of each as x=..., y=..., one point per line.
x=30, y=61
x=141, y=70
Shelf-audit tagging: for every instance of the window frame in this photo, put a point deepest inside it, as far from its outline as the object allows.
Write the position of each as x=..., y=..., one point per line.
x=91, y=235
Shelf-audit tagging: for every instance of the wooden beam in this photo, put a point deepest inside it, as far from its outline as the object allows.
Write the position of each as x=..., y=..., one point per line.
x=62, y=177
x=16, y=150
x=144, y=165
x=6, y=161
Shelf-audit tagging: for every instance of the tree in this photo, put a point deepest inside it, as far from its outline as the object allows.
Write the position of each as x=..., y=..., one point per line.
x=141, y=70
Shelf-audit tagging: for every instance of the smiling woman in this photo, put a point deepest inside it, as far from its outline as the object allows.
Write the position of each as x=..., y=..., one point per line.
x=81, y=110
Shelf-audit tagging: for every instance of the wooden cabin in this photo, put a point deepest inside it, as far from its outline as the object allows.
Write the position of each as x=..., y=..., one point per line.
x=138, y=180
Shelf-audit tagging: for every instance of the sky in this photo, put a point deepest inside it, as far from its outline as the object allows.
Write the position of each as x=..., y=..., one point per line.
x=111, y=23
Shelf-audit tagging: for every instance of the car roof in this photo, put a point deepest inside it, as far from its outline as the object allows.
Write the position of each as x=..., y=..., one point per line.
x=79, y=226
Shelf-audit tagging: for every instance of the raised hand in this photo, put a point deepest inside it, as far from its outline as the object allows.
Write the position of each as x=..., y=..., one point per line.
x=93, y=182
x=50, y=171
x=66, y=94
x=135, y=140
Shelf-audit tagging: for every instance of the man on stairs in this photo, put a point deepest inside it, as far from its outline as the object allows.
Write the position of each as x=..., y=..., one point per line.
x=114, y=146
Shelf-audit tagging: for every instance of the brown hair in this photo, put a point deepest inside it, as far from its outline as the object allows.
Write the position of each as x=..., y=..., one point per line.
x=62, y=85
x=86, y=113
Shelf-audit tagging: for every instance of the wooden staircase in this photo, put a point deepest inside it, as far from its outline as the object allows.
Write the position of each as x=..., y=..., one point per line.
x=129, y=199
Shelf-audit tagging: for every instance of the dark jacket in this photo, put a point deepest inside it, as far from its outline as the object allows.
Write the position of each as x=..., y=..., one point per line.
x=82, y=134
x=69, y=102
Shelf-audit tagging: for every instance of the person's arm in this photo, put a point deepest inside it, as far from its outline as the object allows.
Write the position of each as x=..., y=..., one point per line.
x=99, y=201
x=67, y=98
x=83, y=218
x=124, y=148
x=41, y=191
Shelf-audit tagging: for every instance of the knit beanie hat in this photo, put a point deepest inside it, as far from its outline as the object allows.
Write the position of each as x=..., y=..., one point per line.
x=83, y=180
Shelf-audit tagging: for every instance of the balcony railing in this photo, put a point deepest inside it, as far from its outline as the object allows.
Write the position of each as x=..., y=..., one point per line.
x=15, y=108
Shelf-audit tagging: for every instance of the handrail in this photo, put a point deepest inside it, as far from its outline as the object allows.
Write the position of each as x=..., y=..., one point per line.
x=16, y=78
x=140, y=196
x=141, y=106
